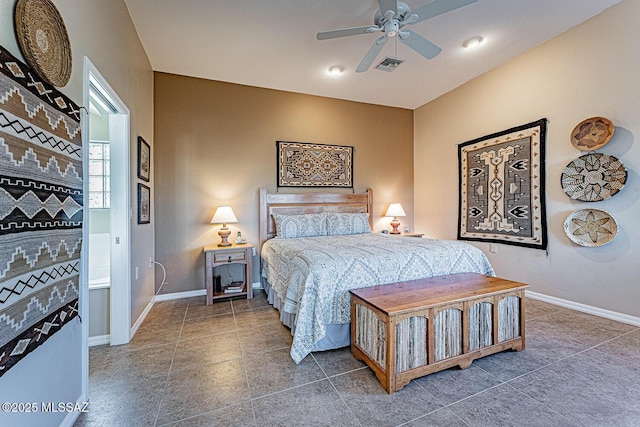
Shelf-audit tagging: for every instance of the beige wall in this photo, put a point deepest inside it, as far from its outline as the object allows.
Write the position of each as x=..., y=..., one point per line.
x=103, y=31
x=216, y=144
x=591, y=70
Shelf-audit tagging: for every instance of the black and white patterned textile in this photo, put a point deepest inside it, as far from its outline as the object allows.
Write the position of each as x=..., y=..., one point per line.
x=40, y=210
x=502, y=181
x=314, y=165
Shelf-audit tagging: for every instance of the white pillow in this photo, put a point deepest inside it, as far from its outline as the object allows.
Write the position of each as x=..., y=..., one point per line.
x=342, y=224
x=304, y=225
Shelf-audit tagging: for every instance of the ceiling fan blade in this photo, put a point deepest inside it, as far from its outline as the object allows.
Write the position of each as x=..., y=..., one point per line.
x=385, y=5
x=438, y=7
x=371, y=54
x=324, y=35
x=421, y=45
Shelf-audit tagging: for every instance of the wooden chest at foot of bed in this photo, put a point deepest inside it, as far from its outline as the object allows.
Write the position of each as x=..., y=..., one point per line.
x=410, y=329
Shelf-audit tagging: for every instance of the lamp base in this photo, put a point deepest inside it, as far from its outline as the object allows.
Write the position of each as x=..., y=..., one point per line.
x=395, y=223
x=224, y=234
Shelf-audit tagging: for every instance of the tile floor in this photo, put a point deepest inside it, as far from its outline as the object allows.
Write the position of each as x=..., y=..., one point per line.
x=229, y=365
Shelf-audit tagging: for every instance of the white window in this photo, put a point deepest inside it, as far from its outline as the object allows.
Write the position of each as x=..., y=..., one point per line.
x=99, y=183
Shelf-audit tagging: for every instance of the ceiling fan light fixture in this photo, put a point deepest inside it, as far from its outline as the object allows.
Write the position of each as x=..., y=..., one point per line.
x=472, y=42
x=391, y=28
x=336, y=70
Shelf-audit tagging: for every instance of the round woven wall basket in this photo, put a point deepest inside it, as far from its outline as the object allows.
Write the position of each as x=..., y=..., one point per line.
x=44, y=40
x=592, y=133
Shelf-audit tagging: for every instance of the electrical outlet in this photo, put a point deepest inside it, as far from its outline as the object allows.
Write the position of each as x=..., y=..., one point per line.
x=493, y=248
x=137, y=273
x=150, y=262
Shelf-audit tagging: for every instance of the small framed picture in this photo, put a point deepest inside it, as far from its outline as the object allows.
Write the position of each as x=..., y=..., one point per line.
x=144, y=204
x=144, y=159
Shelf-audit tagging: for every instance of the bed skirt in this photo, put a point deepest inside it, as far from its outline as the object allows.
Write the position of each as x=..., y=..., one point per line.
x=338, y=335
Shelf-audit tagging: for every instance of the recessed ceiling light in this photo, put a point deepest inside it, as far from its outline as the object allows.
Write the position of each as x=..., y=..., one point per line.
x=472, y=42
x=336, y=70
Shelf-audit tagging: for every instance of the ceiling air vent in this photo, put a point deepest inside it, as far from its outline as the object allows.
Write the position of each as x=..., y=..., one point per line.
x=389, y=64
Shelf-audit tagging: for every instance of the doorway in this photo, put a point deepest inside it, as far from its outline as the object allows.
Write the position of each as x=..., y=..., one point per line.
x=106, y=286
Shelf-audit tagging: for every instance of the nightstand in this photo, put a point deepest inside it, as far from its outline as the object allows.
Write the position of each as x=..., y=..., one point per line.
x=216, y=256
x=408, y=234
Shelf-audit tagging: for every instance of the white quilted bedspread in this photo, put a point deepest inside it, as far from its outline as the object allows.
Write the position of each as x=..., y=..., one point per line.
x=313, y=275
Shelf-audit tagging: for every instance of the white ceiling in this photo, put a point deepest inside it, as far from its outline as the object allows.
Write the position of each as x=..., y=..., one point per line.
x=272, y=43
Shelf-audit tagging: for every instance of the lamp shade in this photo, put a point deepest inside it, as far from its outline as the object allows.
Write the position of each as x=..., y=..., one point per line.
x=395, y=209
x=224, y=215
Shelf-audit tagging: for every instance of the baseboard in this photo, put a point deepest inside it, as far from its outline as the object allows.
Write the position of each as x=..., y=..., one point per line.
x=189, y=294
x=607, y=314
x=180, y=295
x=99, y=340
x=72, y=416
x=140, y=319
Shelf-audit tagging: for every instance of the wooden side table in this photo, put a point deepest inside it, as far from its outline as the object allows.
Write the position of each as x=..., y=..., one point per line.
x=408, y=234
x=216, y=256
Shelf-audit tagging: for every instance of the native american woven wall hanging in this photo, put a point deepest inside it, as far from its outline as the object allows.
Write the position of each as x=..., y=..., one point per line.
x=40, y=210
x=314, y=165
x=502, y=193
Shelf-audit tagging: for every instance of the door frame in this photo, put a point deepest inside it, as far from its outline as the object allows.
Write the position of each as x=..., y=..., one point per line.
x=121, y=213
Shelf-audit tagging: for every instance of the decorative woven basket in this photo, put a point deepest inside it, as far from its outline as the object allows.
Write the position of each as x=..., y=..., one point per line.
x=592, y=133
x=43, y=40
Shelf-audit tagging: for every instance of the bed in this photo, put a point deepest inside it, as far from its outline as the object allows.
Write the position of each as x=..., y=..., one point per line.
x=324, y=247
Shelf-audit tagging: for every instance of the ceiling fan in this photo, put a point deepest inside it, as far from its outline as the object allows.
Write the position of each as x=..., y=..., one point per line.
x=389, y=19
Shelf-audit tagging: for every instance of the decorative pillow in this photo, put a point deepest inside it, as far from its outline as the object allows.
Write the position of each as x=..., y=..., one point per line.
x=341, y=224
x=305, y=225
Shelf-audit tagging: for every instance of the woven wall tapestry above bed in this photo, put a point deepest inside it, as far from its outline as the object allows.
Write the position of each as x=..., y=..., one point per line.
x=314, y=165
x=502, y=187
x=40, y=210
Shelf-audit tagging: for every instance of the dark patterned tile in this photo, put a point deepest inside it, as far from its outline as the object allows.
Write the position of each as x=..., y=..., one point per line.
x=97, y=355
x=581, y=327
x=588, y=400
x=259, y=300
x=441, y=418
x=338, y=361
x=543, y=346
x=198, y=390
x=452, y=385
x=207, y=326
x=168, y=312
x=122, y=368
x=134, y=404
x=510, y=364
x=373, y=406
x=626, y=346
x=605, y=369
x=253, y=319
x=505, y=406
x=535, y=308
x=276, y=371
x=207, y=350
x=195, y=311
x=316, y=404
x=269, y=337
x=230, y=416
x=150, y=335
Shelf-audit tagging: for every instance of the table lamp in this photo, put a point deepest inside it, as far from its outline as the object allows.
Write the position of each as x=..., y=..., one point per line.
x=224, y=215
x=395, y=210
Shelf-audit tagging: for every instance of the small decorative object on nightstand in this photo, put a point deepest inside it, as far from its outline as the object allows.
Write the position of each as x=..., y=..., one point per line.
x=224, y=215
x=395, y=210
x=216, y=256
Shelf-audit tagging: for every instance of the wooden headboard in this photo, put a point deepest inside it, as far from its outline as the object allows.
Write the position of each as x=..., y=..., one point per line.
x=302, y=203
